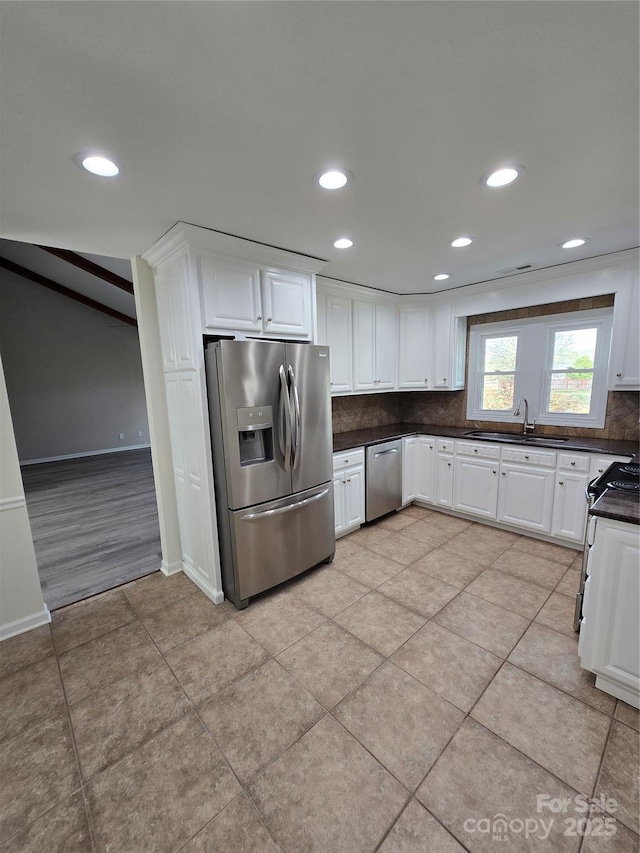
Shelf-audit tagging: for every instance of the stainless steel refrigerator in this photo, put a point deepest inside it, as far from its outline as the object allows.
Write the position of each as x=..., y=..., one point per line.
x=270, y=417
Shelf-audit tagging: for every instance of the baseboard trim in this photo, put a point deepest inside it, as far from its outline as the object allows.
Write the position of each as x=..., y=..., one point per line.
x=217, y=596
x=171, y=568
x=27, y=623
x=86, y=453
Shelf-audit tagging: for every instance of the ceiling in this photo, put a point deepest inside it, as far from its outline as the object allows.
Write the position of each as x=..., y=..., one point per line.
x=222, y=113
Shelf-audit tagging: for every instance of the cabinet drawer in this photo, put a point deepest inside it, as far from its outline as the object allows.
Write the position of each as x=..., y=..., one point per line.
x=573, y=462
x=445, y=445
x=529, y=457
x=348, y=458
x=481, y=451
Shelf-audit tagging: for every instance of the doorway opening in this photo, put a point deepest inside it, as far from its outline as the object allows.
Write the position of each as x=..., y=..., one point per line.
x=71, y=356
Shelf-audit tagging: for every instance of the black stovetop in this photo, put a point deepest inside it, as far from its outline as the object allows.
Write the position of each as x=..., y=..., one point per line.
x=620, y=477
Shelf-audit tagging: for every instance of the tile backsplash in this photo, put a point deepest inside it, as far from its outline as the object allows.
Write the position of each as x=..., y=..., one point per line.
x=448, y=408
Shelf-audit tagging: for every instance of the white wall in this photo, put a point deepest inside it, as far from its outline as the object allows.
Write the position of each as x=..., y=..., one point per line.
x=21, y=605
x=73, y=375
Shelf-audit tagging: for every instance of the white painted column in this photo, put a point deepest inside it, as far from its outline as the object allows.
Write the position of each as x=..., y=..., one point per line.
x=21, y=603
x=154, y=387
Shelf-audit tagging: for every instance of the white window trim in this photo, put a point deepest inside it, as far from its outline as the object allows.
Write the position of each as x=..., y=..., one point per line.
x=535, y=342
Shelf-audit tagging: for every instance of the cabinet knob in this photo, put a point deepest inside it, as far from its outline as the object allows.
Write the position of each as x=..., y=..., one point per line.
x=426, y=381
x=445, y=379
x=504, y=473
x=573, y=463
x=475, y=449
x=619, y=375
x=494, y=471
x=349, y=480
x=561, y=482
x=526, y=457
x=259, y=317
x=600, y=470
x=449, y=464
x=346, y=461
x=269, y=319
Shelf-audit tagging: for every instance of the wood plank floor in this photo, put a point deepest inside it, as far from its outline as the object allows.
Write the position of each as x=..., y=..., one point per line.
x=94, y=523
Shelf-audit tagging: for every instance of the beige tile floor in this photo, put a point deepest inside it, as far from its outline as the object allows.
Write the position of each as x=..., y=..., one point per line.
x=398, y=700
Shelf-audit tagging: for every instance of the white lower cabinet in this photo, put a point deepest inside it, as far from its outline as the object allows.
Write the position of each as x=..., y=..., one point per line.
x=610, y=633
x=569, y=506
x=348, y=490
x=425, y=468
x=475, y=486
x=409, y=469
x=526, y=496
x=444, y=479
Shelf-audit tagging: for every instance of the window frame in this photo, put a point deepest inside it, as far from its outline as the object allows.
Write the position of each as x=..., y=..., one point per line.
x=534, y=363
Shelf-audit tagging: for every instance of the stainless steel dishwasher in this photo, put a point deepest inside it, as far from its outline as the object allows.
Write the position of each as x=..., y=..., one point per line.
x=384, y=478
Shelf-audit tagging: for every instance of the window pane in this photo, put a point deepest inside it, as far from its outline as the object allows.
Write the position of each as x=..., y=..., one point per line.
x=500, y=353
x=570, y=393
x=497, y=393
x=574, y=348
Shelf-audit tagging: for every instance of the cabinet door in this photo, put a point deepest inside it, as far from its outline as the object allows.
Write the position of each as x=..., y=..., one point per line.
x=611, y=645
x=444, y=479
x=449, y=343
x=526, y=496
x=426, y=469
x=364, y=337
x=354, y=496
x=338, y=503
x=386, y=347
x=175, y=316
x=286, y=303
x=409, y=470
x=230, y=295
x=624, y=364
x=414, y=356
x=475, y=487
x=570, y=506
x=339, y=340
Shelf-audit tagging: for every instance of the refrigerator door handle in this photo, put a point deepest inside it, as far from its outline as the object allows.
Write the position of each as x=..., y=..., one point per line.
x=296, y=425
x=284, y=419
x=268, y=513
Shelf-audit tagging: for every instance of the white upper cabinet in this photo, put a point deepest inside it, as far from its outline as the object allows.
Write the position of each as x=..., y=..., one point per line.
x=339, y=338
x=449, y=341
x=415, y=348
x=286, y=303
x=375, y=346
x=624, y=364
x=242, y=297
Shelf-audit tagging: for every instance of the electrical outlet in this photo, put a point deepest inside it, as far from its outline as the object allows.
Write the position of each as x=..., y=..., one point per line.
x=139, y=433
x=121, y=435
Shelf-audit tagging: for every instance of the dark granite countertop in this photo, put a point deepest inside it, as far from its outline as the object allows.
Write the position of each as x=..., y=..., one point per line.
x=366, y=437
x=620, y=506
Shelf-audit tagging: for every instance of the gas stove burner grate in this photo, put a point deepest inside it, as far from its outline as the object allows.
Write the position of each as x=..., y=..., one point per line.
x=631, y=469
x=624, y=487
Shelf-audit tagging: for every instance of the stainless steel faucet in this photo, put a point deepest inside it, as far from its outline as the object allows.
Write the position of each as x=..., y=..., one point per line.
x=526, y=426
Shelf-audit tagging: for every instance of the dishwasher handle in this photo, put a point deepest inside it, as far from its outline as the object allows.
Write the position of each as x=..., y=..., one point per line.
x=382, y=452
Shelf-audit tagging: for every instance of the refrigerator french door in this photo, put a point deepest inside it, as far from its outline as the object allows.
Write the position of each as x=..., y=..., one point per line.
x=270, y=418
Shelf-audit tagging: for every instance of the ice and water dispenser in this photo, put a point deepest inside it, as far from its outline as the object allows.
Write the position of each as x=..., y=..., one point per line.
x=255, y=434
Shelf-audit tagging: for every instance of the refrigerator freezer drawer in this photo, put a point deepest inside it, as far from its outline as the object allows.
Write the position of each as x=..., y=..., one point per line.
x=280, y=539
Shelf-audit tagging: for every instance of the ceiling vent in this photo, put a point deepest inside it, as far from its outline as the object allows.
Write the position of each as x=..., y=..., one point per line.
x=515, y=270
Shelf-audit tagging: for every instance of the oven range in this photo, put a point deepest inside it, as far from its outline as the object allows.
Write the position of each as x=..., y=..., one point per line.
x=619, y=477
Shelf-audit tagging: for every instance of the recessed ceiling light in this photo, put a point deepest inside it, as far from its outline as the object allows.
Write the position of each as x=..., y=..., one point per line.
x=334, y=179
x=442, y=276
x=503, y=177
x=98, y=164
x=573, y=244
x=460, y=242
x=343, y=243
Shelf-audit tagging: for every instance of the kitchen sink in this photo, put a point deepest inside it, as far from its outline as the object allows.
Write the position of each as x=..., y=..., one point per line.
x=515, y=438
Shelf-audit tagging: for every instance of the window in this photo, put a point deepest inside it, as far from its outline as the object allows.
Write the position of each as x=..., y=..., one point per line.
x=559, y=363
